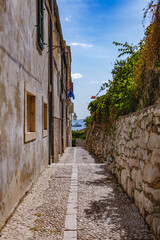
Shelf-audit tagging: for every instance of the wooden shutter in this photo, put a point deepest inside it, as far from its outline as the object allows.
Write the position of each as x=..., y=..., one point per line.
x=40, y=24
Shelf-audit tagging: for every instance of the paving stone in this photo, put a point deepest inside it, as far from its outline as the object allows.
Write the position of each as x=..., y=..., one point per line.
x=102, y=210
x=72, y=209
x=70, y=235
x=71, y=222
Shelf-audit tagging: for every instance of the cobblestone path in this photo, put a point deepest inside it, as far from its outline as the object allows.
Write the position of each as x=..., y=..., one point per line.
x=76, y=199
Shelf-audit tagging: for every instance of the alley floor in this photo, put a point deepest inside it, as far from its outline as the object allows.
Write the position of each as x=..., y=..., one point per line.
x=76, y=199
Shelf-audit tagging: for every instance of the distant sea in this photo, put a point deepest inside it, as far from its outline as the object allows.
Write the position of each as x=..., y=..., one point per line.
x=79, y=121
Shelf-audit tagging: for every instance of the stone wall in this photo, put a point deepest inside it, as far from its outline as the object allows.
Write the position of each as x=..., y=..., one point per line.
x=131, y=147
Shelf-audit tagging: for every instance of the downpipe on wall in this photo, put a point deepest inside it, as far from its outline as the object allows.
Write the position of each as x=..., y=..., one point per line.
x=51, y=89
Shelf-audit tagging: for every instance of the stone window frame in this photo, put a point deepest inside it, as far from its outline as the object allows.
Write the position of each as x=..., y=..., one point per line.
x=29, y=135
x=44, y=126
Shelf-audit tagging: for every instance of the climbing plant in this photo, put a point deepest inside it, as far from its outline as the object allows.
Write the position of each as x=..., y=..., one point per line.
x=148, y=68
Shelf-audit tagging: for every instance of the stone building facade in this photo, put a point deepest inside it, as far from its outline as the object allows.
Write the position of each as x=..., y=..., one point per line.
x=32, y=51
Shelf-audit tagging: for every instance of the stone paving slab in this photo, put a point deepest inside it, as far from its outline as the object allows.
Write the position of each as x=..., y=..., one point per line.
x=70, y=231
x=70, y=235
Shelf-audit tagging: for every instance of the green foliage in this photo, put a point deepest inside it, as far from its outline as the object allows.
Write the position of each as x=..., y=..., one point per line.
x=73, y=142
x=120, y=97
x=88, y=121
x=78, y=134
x=148, y=69
x=126, y=48
x=117, y=152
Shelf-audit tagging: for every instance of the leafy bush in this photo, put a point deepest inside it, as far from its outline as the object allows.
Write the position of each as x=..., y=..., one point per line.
x=78, y=135
x=88, y=121
x=120, y=98
x=73, y=142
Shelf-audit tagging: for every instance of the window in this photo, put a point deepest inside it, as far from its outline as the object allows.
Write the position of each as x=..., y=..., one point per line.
x=45, y=115
x=30, y=114
x=45, y=119
x=40, y=24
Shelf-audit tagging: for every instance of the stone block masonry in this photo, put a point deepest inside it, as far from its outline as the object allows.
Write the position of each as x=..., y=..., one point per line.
x=132, y=149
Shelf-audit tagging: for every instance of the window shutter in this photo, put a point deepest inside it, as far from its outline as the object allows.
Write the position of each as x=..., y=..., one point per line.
x=40, y=24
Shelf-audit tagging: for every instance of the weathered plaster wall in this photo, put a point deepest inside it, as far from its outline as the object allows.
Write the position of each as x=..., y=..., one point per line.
x=57, y=139
x=70, y=110
x=132, y=148
x=57, y=92
x=20, y=63
x=65, y=126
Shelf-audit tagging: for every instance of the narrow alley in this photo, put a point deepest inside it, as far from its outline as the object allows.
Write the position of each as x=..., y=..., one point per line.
x=76, y=198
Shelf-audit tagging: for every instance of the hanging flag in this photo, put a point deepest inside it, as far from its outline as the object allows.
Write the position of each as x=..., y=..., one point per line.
x=71, y=94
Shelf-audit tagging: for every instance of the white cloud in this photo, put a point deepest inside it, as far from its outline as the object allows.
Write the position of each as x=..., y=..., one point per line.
x=84, y=45
x=76, y=75
x=94, y=82
x=68, y=18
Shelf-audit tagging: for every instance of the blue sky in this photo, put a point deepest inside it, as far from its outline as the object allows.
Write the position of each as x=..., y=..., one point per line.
x=90, y=27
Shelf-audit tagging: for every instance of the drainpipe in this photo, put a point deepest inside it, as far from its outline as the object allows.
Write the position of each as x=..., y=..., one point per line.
x=51, y=89
x=66, y=103
x=62, y=125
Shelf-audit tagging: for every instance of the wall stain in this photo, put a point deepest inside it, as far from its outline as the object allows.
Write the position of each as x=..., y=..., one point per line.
x=3, y=143
x=0, y=195
x=2, y=93
x=18, y=103
x=22, y=22
x=10, y=111
x=17, y=154
x=158, y=185
x=16, y=172
x=3, y=5
x=4, y=51
x=29, y=66
x=42, y=151
x=5, y=117
x=26, y=175
x=3, y=9
x=18, y=36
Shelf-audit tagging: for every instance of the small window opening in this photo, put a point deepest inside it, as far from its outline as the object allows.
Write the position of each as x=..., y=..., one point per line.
x=45, y=110
x=30, y=113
